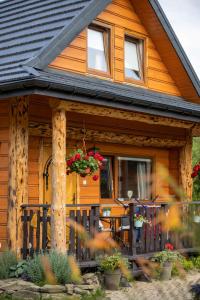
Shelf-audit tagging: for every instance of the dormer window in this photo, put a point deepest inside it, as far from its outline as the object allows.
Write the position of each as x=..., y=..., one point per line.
x=98, y=49
x=133, y=58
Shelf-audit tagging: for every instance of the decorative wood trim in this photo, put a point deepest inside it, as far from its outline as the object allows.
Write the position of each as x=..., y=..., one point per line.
x=186, y=166
x=39, y=129
x=18, y=169
x=90, y=109
x=58, y=210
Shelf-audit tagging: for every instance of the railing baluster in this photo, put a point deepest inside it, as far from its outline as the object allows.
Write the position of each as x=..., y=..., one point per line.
x=132, y=241
x=72, y=234
x=78, y=240
x=44, y=229
x=25, y=234
x=38, y=232
x=31, y=246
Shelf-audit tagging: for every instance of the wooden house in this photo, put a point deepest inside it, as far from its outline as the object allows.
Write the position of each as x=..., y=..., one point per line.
x=110, y=71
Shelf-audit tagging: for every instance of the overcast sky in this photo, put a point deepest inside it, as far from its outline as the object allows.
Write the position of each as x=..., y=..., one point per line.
x=184, y=16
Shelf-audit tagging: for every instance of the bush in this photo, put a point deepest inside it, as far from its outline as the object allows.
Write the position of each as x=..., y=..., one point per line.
x=7, y=260
x=196, y=262
x=58, y=264
x=187, y=264
x=18, y=270
x=60, y=267
x=35, y=271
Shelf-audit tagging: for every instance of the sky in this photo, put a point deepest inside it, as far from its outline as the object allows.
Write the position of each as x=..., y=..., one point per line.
x=184, y=16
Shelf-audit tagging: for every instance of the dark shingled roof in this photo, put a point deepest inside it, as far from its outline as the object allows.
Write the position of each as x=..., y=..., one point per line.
x=34, y=32
x=28, y=27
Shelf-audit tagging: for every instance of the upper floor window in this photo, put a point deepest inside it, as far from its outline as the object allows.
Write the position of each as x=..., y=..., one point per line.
x=98, y=48
x=133, y=58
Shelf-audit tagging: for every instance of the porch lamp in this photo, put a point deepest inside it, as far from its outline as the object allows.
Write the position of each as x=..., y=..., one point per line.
x=84, y=182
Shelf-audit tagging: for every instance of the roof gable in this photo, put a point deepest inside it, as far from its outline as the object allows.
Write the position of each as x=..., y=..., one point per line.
x=34, y=32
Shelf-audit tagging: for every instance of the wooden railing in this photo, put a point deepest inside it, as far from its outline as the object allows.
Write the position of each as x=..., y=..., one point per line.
x=132, y=241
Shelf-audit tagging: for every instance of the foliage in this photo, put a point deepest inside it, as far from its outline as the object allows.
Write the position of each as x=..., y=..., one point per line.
x=57, y=263
x=5, y=297
x=19, y=269
x=7, y=260
x=141, y=218
x=196, y=262
x=187, y=264
x=84, y=164
x=195, y=161
x=35, y=271
x=113, y=262
x=60, y=267
x=97, y=295
x=166, y=256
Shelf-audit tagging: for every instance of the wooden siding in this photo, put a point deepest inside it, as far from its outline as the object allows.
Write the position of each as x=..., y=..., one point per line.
x=122, y=18
x=4, y=144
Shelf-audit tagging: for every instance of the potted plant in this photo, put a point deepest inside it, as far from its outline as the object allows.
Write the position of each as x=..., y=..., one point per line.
x=166, y=258
x=111, y=265
x=139, y=220
x=84, y=163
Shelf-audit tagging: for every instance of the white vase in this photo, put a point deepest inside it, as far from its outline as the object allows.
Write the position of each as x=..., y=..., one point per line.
x=196, y=219
x=138, y=224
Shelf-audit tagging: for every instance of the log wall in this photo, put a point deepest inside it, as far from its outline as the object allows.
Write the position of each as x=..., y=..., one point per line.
x=4, y=146
x=122, y=18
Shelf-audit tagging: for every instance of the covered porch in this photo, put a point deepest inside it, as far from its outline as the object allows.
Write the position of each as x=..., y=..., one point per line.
x=43, y=131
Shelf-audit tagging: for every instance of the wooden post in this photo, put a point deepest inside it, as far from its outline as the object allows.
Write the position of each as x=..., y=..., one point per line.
x=186, y=166
x=58, y=210
x=18, y=170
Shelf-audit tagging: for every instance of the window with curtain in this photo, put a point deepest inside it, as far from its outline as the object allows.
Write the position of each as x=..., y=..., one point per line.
x=106, y=178
x=133, y=58
x=98, y=49
x=134, y=174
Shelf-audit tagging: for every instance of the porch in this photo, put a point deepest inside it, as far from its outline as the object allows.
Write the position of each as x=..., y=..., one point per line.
x=145, y=241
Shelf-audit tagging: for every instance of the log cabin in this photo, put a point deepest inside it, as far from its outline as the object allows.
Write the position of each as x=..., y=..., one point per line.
x=111, y=73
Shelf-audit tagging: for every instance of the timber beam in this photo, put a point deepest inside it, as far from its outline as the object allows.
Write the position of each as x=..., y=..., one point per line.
x=90, y=109
x=45, y=130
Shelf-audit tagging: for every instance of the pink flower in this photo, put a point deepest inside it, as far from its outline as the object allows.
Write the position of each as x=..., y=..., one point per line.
x=87, y=171
x=91, y=153
x=95, y=177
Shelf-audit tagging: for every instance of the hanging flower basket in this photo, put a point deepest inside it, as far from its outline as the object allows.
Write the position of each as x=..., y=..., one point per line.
x=84, y=164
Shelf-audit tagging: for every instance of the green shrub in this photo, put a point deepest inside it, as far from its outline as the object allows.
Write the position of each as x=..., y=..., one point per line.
x=59, y=266
x=187, y=264
x=7, y=260
x=18, y=270
x=35, y=270
x=196, y=262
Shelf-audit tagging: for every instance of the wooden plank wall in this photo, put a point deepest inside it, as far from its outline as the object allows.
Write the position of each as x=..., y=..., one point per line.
x=123, y=19
x=4, y=140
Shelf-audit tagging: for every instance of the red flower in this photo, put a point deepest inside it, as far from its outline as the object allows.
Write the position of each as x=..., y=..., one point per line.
x=77, y=156
x=86, y=157
x=169, y=246
x=91, y=153
x=194, y=174
x=95, y=177
x=196, y=168
x=69, y=162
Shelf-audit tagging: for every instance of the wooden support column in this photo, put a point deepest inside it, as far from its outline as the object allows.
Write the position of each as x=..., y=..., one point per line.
x=186, y=166
x=58, y=210
x=18, y=169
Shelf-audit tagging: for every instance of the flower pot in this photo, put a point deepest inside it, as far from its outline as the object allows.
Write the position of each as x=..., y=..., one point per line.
x=166, y=273
x=138, y=224
x=112, y=279
x=196, y=219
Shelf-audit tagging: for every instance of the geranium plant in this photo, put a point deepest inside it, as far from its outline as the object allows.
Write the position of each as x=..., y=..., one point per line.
x=196, y=170
x=141, y=218
x=84, y=163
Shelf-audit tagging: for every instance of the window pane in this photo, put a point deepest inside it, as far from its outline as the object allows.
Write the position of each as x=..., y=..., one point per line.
x=132, y=64
x=96, y=51
x=106, y=178
x=134, y=175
